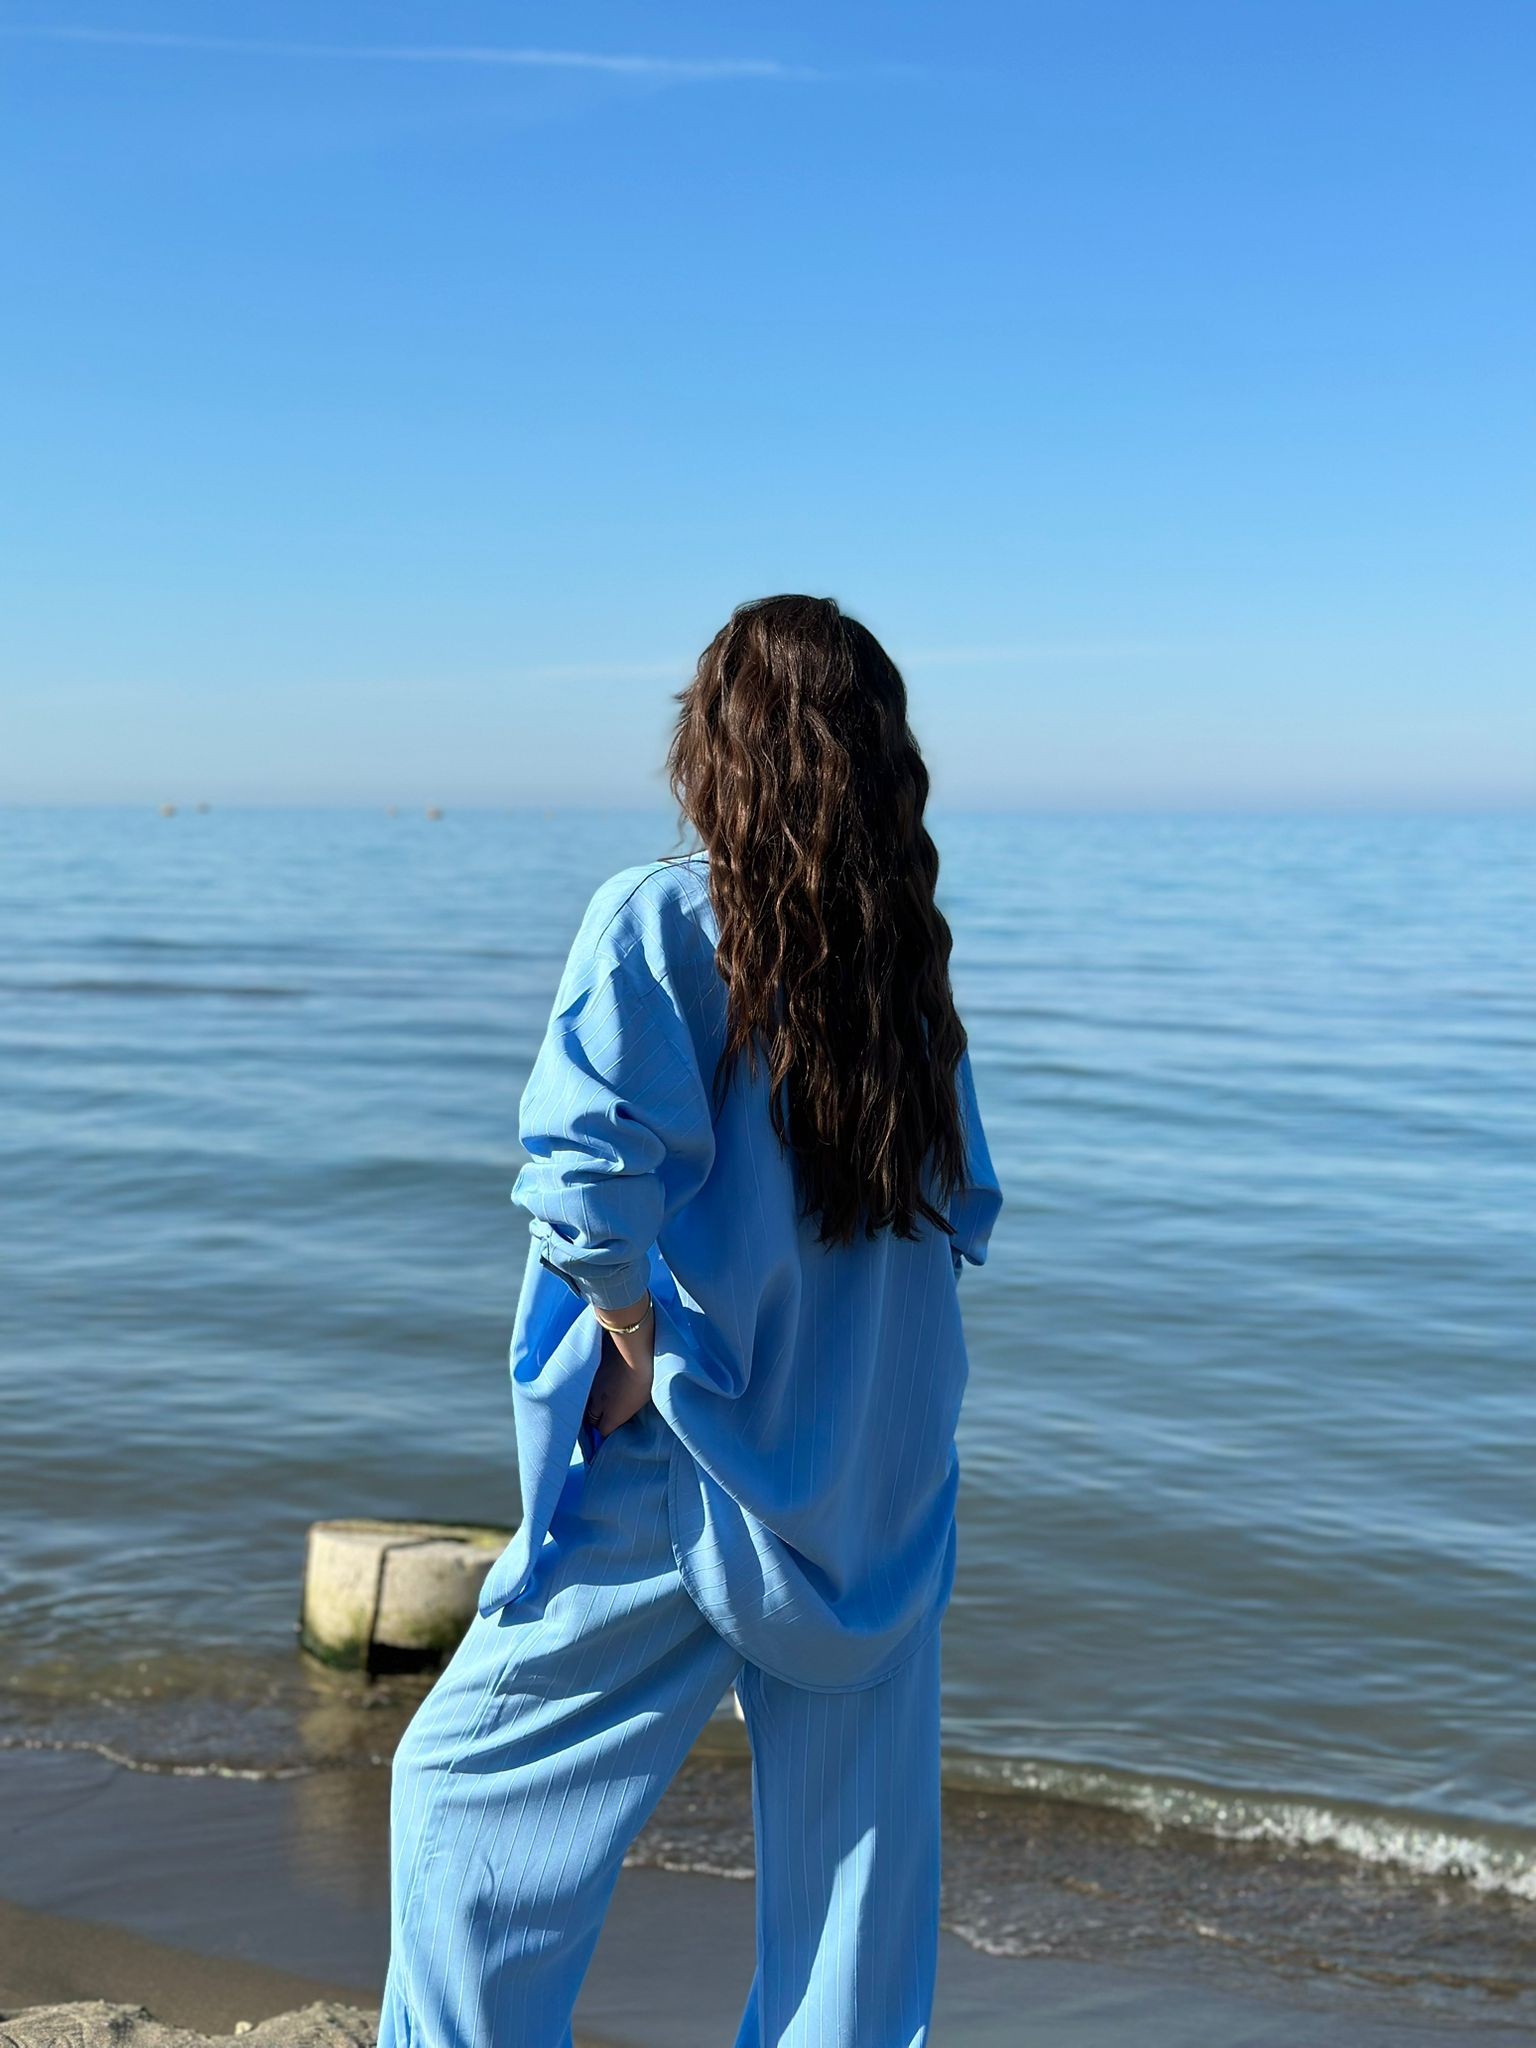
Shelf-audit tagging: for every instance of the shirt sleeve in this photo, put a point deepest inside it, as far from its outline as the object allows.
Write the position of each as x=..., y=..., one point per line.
x=975, y=1206
x=615, y=1121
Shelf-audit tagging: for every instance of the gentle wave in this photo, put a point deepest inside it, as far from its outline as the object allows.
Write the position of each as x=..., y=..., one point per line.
x=168, y=1767
x=1492, y=1860
x=1495, y=1861
x=242, y=992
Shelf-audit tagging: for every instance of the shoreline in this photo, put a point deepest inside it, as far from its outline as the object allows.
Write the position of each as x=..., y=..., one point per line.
x=665, y=1930
x=213, y=1901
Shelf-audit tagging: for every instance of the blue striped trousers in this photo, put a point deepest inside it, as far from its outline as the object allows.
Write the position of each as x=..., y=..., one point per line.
x=549, y=1739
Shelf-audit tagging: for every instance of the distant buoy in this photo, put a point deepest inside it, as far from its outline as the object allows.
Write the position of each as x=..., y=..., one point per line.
x=391, y=810
x=203, y=810
x=393, y=1596
x=433, y=813
x=167, y=810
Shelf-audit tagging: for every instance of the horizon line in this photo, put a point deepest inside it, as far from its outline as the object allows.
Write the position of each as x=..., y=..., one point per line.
x=1448, y=805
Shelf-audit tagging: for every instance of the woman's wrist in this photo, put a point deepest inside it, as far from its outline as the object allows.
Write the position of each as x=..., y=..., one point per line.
x=626, y=1322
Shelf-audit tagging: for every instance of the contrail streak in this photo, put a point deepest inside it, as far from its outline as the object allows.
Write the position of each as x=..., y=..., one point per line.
x=679, y=69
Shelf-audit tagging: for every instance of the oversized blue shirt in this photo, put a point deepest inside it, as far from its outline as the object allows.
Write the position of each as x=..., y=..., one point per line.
x=812, y=1391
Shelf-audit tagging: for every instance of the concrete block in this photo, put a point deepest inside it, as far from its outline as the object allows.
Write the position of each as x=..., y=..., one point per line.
x=393, y=1596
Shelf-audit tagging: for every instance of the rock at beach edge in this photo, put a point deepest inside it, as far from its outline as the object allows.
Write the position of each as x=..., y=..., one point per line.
x=96, y=2024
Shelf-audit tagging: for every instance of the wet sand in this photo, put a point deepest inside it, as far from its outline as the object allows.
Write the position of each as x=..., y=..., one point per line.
x=665, y=1932
x=46, y=1959
x=214, y=1901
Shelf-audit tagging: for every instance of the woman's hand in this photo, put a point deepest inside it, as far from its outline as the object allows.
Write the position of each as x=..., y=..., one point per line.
x=621, y=1386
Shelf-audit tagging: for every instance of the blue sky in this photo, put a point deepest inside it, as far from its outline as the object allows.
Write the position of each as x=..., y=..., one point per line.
x=397, y=397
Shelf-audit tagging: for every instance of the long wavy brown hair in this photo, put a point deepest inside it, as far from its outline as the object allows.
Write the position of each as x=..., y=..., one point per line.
x=793, y=762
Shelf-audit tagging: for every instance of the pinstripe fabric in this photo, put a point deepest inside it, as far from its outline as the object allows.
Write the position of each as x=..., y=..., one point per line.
x=812, y=1392
x=547, y=1742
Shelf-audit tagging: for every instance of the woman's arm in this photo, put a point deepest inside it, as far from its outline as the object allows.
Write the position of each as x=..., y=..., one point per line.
x=621, y=1386
x=616, y=1124
x=975, y=1206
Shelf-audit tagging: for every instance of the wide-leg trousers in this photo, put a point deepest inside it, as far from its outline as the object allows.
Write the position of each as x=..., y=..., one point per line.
x=550, y=1737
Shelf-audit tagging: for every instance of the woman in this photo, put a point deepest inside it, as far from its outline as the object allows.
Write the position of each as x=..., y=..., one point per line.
x=755, y=1168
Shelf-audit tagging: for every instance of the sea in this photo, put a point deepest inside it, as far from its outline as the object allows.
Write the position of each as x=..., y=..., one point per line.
x=1240, y=1660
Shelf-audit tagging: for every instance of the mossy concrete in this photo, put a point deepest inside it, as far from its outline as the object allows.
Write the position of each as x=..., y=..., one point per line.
x=393, y=1594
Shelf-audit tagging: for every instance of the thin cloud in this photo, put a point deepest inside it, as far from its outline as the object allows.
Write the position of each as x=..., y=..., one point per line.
x=679, y=70
x=1043, y=653
x=608, y=672
x=1037, y=651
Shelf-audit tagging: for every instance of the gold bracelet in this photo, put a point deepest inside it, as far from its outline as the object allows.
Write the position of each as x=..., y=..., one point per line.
x=625, y=1329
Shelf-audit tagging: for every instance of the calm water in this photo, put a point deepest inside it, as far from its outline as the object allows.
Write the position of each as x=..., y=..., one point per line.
x=1248, y=1549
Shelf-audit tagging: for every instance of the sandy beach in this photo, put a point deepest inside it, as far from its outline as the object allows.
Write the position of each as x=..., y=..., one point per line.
x=669, y=1973
x=220, y=1902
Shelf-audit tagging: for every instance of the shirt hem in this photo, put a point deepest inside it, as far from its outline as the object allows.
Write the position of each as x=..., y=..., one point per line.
x=729, y=1633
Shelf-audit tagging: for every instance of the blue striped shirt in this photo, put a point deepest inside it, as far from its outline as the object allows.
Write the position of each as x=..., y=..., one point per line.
x=812, y=1390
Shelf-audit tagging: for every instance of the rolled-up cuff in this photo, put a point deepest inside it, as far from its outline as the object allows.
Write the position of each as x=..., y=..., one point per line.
x=616, y=1286
x=605, y=1287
